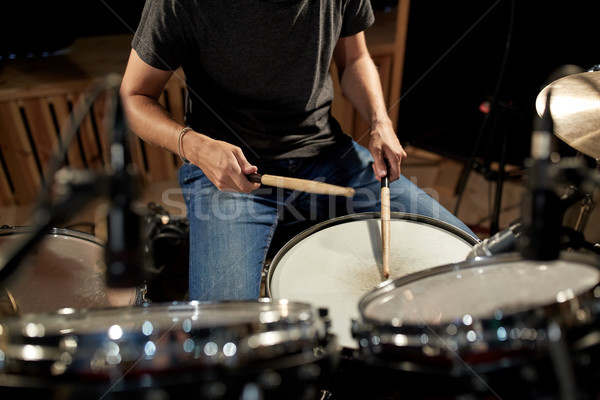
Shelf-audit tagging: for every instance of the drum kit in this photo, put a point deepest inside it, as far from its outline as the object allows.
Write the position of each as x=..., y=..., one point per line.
x=457, y=318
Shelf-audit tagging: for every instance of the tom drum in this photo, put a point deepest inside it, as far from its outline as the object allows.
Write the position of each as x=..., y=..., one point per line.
x=334, y=263
x=503, y=327
x=66, y=269
x=230, y=350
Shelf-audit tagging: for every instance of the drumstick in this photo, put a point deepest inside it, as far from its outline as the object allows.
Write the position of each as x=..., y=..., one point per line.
x=385, y=224
x=303, y=185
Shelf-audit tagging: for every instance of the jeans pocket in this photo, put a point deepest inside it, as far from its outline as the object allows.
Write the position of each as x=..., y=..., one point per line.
x=188, y=174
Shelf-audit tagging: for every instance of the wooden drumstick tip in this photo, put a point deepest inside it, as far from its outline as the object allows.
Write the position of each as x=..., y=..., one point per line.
x=349, y=192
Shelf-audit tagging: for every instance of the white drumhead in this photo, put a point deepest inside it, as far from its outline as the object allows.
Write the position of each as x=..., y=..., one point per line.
x=482, y=291
x=340, y=262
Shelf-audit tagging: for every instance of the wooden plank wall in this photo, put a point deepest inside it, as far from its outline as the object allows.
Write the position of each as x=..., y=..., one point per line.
x=30, y=128
x=31, y=117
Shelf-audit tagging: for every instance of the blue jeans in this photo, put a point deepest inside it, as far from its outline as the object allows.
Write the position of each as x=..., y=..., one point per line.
x=232, y=234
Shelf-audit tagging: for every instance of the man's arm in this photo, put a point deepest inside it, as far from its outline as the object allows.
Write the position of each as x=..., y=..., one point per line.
x=224, y=164
x=360, y=83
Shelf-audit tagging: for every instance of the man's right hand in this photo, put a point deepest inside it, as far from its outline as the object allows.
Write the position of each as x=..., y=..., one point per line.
x=223, y=163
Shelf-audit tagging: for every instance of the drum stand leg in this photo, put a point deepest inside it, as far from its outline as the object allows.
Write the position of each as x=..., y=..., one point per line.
x=8, y=304
x=562, y=363
x=586, y=206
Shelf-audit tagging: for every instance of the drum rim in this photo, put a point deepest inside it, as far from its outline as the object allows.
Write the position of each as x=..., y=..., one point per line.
x=292, y=336
x=11, y=230
x=174, y=307
x=360, y=217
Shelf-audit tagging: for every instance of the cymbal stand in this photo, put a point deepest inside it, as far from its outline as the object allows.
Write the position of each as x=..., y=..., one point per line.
x=586, y=206
x=543, y=232
x=500, y=178
x=505, y=113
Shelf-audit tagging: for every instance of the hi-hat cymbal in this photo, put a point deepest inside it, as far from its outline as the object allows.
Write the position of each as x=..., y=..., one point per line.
x=575, y=108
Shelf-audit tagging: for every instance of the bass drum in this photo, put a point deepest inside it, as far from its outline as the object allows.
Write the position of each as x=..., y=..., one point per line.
x=334, y=263
x=229, y=350
x=66, y=269
x=502, y=327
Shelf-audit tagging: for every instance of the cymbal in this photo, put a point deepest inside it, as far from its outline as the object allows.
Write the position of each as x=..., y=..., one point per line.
x=575, y=108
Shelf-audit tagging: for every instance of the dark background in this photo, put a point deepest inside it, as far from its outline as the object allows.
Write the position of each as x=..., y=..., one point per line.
x=32, y=27
x=439, y=110
x=453, y=62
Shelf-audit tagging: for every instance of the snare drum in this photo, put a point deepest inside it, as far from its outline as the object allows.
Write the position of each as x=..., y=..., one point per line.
x=334, y=263
x=66, y=269
x=502, y=327
x=229, y=350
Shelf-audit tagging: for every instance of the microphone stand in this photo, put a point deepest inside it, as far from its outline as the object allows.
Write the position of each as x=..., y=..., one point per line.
x=124, y=247
x=541, y=205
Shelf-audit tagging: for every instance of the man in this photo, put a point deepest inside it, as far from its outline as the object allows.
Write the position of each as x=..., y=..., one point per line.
x=260, y=97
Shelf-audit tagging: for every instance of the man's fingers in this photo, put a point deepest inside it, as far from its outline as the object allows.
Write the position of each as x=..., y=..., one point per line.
x=241, y=181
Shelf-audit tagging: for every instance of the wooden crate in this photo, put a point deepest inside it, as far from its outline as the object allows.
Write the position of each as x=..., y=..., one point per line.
x=31, y=123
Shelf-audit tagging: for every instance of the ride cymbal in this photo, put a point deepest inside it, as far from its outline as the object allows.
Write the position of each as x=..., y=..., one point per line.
x=575, y=108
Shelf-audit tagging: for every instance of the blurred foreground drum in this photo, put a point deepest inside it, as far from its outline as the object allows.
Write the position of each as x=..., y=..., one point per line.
x=502, y=327
x=66, y=269
x=333, y=264
x=229, y=350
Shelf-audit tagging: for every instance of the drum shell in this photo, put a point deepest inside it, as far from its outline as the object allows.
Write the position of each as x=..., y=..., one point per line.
x=215, y=349
x=467, y=358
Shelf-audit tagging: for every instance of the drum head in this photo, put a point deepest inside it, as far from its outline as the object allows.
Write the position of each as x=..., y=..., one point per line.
x=481, y=292
x=335, y=263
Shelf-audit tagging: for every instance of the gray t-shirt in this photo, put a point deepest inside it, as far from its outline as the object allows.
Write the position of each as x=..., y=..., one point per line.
x=257, y=70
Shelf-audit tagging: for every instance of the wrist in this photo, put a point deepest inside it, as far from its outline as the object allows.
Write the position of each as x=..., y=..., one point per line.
x=382, y=122
x=189, y=144
x=180, y=147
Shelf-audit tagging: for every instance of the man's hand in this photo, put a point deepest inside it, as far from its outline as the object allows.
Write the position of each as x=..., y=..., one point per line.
x=223, y=163
x=384, y=145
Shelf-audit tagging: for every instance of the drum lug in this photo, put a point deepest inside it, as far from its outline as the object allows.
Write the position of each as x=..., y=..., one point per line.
x=140, y=295
x=324, y=316
x=354, y=328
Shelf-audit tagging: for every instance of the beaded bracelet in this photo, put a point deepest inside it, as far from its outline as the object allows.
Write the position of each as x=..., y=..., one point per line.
x=180, y=146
